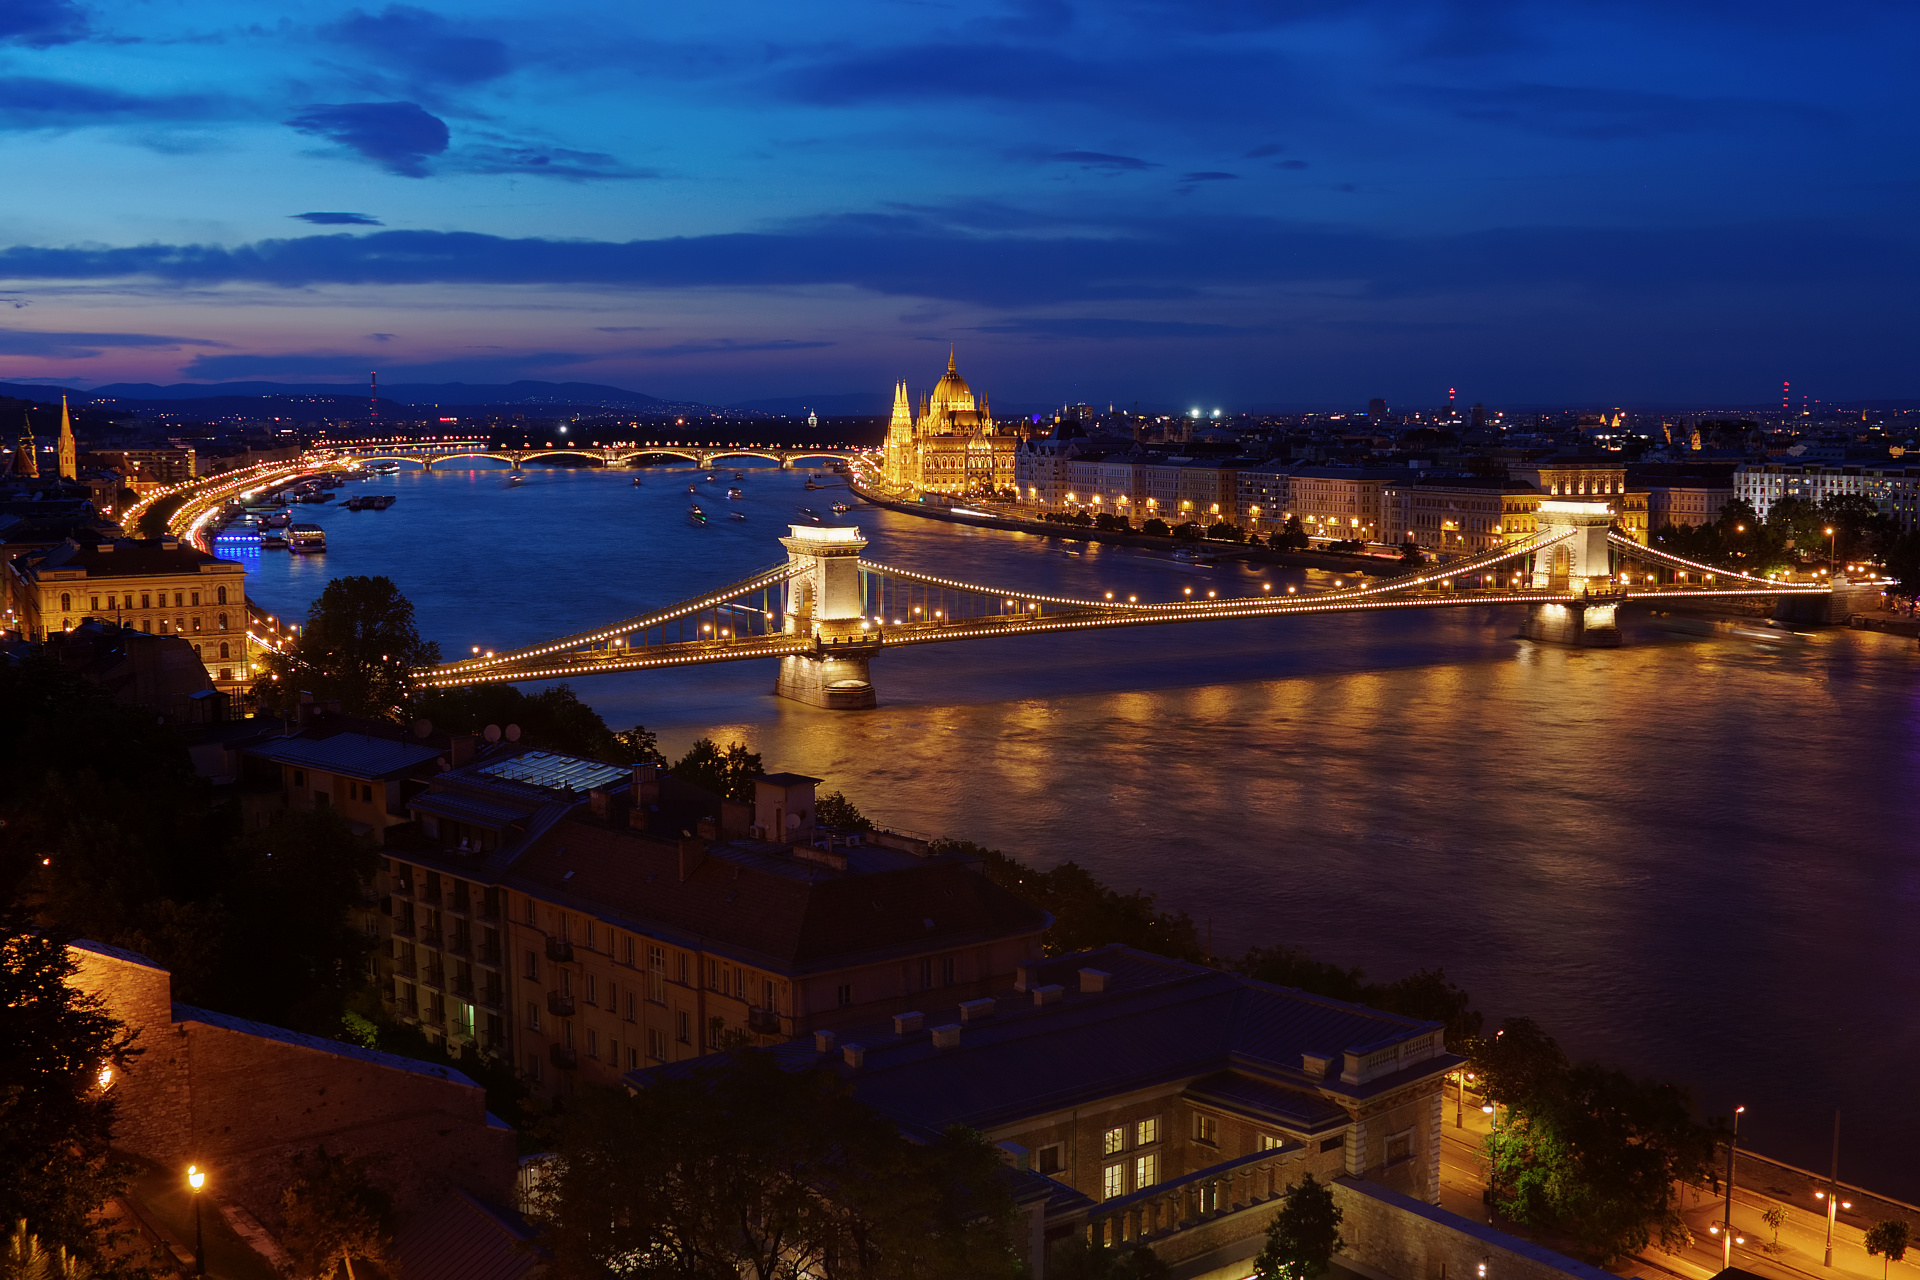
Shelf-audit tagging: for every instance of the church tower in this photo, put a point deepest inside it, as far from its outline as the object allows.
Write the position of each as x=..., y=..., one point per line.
x=26, y=459
x=69, y=450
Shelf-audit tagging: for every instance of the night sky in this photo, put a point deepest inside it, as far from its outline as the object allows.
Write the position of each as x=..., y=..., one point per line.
x=1237, y=204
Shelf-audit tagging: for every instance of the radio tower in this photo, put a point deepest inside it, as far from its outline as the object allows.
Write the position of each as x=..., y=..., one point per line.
x=373, y=401
x=1786, y=397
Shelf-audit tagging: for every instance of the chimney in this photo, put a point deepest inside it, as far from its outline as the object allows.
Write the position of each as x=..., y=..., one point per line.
x=1048, y=995
x=823, y=1042
x=947, y=1037
x=692, y=853
x=904, y=1023
x=974, y=1010
x=460, y=748
x=646, y=785
x=1025, y=975
x=600, y=802
x=1015, y=1156
x=1094, y=981
x=855, y=1055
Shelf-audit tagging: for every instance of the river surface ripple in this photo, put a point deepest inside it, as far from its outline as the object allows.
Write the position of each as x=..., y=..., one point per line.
x=1694, y=857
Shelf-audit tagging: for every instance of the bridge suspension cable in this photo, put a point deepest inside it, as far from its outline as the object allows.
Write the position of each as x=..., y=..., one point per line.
x=1667, y=559
x=469, y=668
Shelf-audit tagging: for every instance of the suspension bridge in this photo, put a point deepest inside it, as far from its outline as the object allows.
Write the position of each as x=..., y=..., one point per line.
x=825, y=612
x=427, y=456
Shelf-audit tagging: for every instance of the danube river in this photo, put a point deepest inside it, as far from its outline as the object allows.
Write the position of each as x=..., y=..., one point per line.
x=1695, y=857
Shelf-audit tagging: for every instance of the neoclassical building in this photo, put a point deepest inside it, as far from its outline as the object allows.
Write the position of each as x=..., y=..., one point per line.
x=952, y=445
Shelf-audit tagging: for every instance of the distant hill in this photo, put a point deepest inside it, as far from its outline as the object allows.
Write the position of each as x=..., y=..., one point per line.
x=408, y=393
x=852, y=404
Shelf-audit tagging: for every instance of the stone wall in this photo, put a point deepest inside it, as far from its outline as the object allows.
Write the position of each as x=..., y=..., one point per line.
x=1401, y=1238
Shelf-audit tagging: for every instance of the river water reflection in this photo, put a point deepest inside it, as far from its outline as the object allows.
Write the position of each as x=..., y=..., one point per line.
x=1693, y=857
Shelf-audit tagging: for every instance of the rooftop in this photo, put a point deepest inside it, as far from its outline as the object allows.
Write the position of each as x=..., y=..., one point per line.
x=125, y=557
x=351, y=753
x=551, y=771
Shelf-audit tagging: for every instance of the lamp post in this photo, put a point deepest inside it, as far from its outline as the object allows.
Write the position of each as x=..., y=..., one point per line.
x=1493, y=1158
x=1831, y=540
x=1725, y=1229
x=196, y=1179
x=1832, y=1194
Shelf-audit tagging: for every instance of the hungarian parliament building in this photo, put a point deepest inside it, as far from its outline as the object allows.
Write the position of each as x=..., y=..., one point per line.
x=951, y=445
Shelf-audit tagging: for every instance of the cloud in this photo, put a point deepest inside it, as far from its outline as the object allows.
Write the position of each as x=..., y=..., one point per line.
x=241, y=365
x=425, y=47
x=546, y=162
x=1107, y=329
x=381, y=337
x=340, y=219
x=1128, y=257
x=1604, y=115
x=85, y=346
x=41, y=24
x=1101, y=160
x=399, y=136
x=626, y=328
x=28, y=102
x=721, y=347
x=1291, y=164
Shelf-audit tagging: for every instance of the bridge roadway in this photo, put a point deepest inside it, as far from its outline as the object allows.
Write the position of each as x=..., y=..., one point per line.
x=826, y=613
x=613, y=456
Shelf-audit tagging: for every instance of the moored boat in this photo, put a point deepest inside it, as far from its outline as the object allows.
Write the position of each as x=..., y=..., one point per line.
x=306, y=538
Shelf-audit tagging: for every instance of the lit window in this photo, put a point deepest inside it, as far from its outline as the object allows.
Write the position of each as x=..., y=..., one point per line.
x=1113, y=1181
x=1270, y=1143
x=1146, y=1132
x=1206, y=1129
x=1113, y=1140
x=1145, y=1171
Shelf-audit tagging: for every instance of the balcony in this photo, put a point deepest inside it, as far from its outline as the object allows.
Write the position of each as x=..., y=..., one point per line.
x=405, y=968
x=461, y=944
x=461, y=901
x=434, y=976
x=563, y=1056
x=1165, y=1215
x=763, y=1022
x=559, y=950
x=491, y=995
x=560, y=1004
x=489, y=953
x=402, y=928
x=429, y=937
x=463, y=987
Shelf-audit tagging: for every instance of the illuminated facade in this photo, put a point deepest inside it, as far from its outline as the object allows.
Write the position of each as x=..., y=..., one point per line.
x=952, y=444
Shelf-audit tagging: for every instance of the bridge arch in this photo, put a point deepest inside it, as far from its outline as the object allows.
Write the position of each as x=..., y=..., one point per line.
x=469, y=453
x=743, y=453
x=630, y=455
x=530, y=454
x=421, y=461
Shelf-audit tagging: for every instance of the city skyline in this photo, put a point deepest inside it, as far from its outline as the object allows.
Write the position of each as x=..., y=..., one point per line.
x=1231, y=205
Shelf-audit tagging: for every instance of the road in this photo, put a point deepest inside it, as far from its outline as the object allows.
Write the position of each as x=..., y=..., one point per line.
x=1798, y=1256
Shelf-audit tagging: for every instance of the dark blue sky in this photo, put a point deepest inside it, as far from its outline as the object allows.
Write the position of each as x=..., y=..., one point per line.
x=1238, y=203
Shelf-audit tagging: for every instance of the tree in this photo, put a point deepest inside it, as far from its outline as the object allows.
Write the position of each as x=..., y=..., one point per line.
x=639, y=745
x=1775, y=1216
x=1411, y=556
x=1157, y=527
x=1426, y=995
x=1519, y=1062
x=1888, y=1241
x=553, y=719
x=359, y=645
x=1303, y=1236
x=56, y=1118
x=1222, y=531
x=1903, y=563
x=333, y=1214
x=836, y=810
x=1293, y=537
x=1086, y=912
x=728, y=774
x=738, y=1168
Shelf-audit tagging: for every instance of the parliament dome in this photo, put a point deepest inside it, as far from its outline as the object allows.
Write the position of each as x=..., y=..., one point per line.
x=951, y=393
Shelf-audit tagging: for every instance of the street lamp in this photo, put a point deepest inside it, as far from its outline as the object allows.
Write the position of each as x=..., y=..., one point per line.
x=1725, y=1229
x=196, y=1179
x=1831, y=539
x=1493, y=1157
x=1834, y=1205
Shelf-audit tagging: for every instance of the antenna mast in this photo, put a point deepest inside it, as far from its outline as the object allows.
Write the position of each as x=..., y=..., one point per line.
x=373, y=402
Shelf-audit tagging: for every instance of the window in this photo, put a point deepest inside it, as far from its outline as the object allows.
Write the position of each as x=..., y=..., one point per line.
x=220, y=597
x=533, y=966
x=771, y=996
x=196, y=600
x=566, y=982
x=656, y=1046
x=593, y=986
x=1270, y=1143
x=96, y=603
x=589, y=935
x=844, y=993
x=946, y=971
x=146, y=600
x=1047, y=1159
x=533, y=1065
x=530, y=911
x=1113, y=1140
x=633, y=1055
x=221, y=622
x=66, y=602
x=593, y=1043
x=684, y=961
x=299, y=777
x=1334, y=1144
x=683, y=1027
x=1146, y=1132
x=1113, y=1181
x=179, y=599
x=224, y=655
x=1146, y=1170
x=1399, y=1147
x=533, y=1015
x=630, y=952
x=926, y=974
x=657, y=974
x=630, y=1017
x=1206, y=1129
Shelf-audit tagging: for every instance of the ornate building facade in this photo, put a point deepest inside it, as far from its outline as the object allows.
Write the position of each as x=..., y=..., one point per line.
x=951, y=445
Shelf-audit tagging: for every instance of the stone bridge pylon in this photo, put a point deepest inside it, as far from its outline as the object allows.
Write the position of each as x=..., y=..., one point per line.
x=824, y=601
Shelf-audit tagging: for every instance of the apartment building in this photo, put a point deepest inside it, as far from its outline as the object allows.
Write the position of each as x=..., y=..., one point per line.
x=1894, y=490
x=589, y=919
x=1158, y=1098
x=1341, y=503
x=1458, y=515
x=158, y=585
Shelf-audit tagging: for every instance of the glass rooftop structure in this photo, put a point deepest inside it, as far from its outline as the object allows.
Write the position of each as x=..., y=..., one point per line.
x=552, y=772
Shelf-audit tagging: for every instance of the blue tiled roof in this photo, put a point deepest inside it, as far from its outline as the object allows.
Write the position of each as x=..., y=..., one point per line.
x=353, y=753
x=551, y=771
x=451, y=804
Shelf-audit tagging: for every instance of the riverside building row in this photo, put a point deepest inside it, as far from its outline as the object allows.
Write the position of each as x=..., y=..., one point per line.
x=1449, y=514
x=584, y=919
